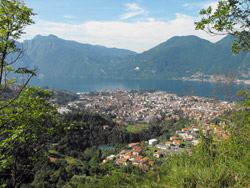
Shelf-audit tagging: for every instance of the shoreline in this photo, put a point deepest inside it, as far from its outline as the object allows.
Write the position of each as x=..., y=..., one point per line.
x=237, y=81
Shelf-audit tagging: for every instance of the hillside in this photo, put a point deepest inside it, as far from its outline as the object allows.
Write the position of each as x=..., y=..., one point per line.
x=176, y=58
x=58, y=58
x=185, y=56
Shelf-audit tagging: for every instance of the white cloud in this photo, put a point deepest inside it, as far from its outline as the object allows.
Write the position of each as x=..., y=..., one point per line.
x=188, y=5
x=202, y=5
x=133, y=7
x=138, y=35
x=133, y=10
x=69, y=17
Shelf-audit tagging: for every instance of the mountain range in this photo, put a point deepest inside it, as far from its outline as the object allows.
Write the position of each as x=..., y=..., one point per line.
x=182, y=56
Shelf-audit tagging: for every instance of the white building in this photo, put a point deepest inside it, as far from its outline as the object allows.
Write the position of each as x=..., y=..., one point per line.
x=152, y=142
x=63, y=110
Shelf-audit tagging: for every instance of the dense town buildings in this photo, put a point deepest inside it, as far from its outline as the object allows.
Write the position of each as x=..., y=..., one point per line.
x=143, y=107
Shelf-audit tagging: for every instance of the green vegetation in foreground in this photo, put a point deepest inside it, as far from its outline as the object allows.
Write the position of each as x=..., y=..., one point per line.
x=78, y=159
x=212, y=164
x=135, y=128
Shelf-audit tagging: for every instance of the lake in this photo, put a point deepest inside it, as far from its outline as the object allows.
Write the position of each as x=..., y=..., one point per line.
x=106, y=147
x=203, y=89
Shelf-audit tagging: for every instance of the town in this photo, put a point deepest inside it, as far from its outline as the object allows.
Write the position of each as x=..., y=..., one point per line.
x=126, y=106
x=144, y=106
x=145, y=155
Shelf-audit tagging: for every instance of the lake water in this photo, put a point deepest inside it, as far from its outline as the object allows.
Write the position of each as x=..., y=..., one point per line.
x=204, y=89
x=106, y=147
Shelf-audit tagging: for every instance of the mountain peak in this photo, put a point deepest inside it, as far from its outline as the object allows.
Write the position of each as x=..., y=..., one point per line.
x=185, y=38
x=44, y=37
x=227, y=40
x=188, y=40
x=52, y=36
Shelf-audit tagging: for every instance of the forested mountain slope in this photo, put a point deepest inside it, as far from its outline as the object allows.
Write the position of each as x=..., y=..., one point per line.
x=177, y=57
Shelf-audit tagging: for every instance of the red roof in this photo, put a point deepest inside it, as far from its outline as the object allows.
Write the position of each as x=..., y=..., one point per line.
x=169, y=143
x=174, y=138
x=145, y=159
x=133, y=144
x=158, y=153
x=123, y=152
x=138, y=158
x=137, y=147
x=138, y=150
x=151, y=162
x=129, y=154
x=52, y=159
x=122, y=160
x=178, y=141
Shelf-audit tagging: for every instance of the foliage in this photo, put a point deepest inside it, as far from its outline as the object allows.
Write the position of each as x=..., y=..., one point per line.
x=223, y=163
x=169, y=127
x=230, y=17
x=25, y=126
x=62, y=97
x=14, y=17
x=78, y=163
x=135, y=128
x=39, y=148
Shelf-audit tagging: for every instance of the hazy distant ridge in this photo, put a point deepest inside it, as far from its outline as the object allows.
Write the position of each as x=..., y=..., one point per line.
x=56, y=57
x=178, y=57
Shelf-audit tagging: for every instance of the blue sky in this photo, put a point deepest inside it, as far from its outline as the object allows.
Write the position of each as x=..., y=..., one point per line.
x=137, y=25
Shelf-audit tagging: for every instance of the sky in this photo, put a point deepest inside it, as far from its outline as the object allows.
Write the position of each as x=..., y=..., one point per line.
x=137, y=25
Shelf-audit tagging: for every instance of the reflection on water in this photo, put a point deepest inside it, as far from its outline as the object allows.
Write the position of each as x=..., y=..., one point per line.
x=204, y=89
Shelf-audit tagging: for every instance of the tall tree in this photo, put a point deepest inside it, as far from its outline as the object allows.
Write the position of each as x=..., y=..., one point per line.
x=14, y=17
x=26, y=118
x=230, y=17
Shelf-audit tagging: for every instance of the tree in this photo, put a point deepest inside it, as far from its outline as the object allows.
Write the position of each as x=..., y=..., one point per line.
x=25, y=127
x=232, y=17
x=14, y=17
x=27, y=120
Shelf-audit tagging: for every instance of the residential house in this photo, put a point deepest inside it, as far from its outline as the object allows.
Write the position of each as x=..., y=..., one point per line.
x=169, y=143
x=181, y=133
x=145, y=160
x=174, y=138
x=123, y=152
x=151, y=163
x=137, y=160
x=105, y=127
x=131, y=145
x=157, y=154
x=137, y=152
x=136, y=147
x=161, y=146
x=52, y=159
x=122, y=161
x=186, y=130
x=128, y=155
x=108, y=158
x=152, y=142
x=177, y=142
x=132, y=158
